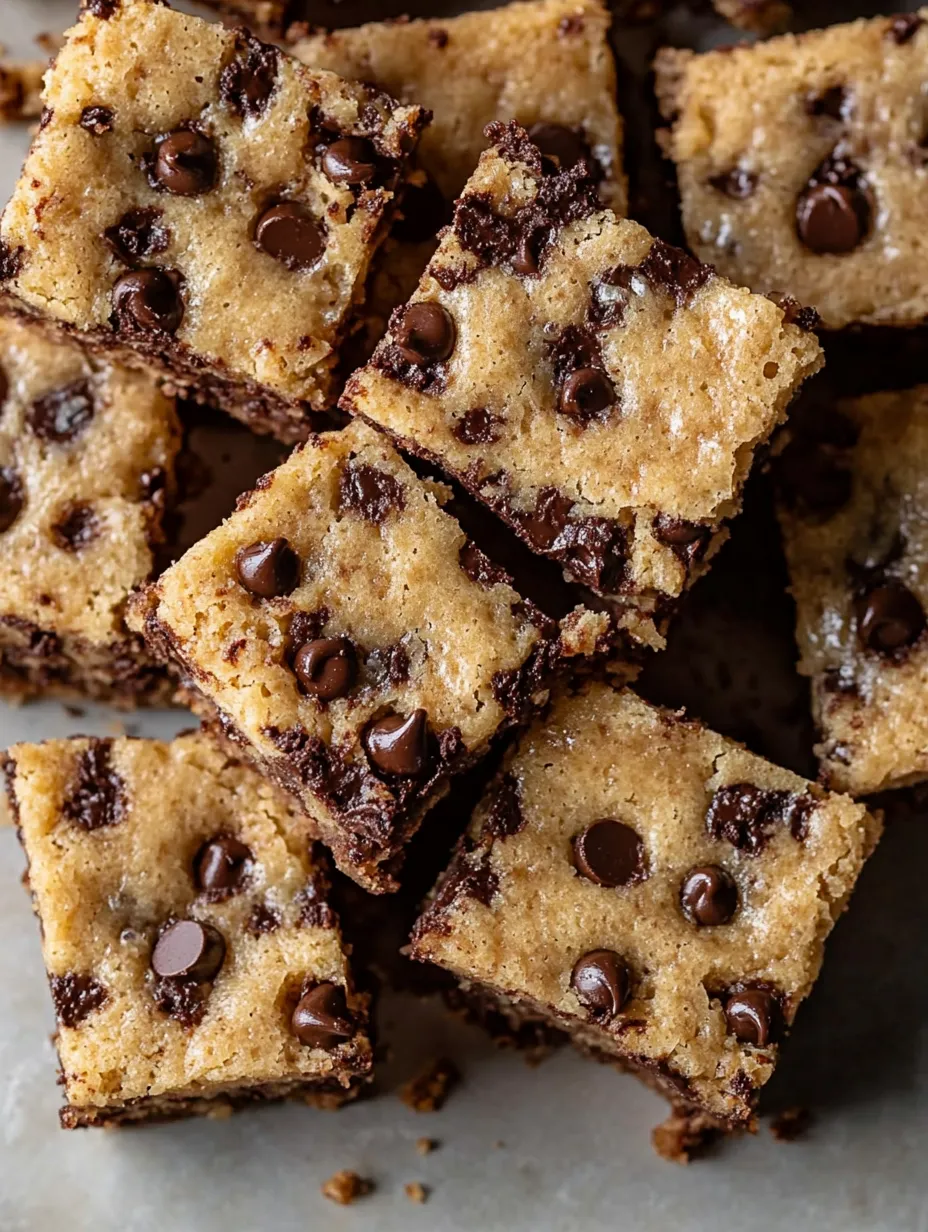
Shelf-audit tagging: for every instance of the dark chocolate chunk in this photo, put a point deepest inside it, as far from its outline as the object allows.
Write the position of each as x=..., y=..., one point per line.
x=600, y=980
x=182, y=999
x=708, y=896
x=268, y=568
x=610, y=853
x=388, y=665
x=904, y=27
x=97, y=120
x=745, y=815
x=138, y=235
x=12, y=497
x=753, y=1016
x=371, y=492
x=587, y=394
x=76, y=996
x=76, y=527
x=688, y=540
x=291, y=235
x=63, y=414
x=321, y=1018
x=479, y=568
x=96, y=795
x=398, y=745
x=673, y=270
x=350, y=160
x=561, y=146
x=148, y=301
x=326, y=667
x=186, y=163
x=188, y=950
x=505, y=816
x=247, y=82
x=220, y=865
x=477, y=427
x=737, y=183
x=424, y=212
x=424, y=333
x=889, y=618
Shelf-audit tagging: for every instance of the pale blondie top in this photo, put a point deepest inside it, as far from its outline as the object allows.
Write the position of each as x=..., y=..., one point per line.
x=87, y=453
x=337, y=604
x=654, y=889
x=149, y=210
x=801, y=164
x=124, y=837
x=854, y=512
x=602, y=391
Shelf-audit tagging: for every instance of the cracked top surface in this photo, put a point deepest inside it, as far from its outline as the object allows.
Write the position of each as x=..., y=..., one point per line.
x=87, y=452
x=114, y=832
x=857, y=549
x=755, y=129
x=534, y=890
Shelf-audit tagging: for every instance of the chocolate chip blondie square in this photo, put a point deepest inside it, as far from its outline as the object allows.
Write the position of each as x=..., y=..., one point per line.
x=854, y=513
x=600, y=390
x=653, y=889
x=199, y=201
x=801, y=164
x=194, y=962
x=87, y=453
x=340, y=627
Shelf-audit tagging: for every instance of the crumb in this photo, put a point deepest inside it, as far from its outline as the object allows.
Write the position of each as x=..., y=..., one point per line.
x=415, y=1191
x=346, y=1187
x=683, y=1135
x=791, y=1124
x=428, y=1091
x=425, y=1146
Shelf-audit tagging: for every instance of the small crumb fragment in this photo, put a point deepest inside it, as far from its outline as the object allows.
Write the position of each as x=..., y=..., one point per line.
x=425, y=1146
x=683, y=1135
x=428, y=1091
x=346, y=1187
x=791, y=1124
x=416, y=1192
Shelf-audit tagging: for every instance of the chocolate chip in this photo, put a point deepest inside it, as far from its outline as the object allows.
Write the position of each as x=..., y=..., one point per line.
x=247, y=83
x=398, y=745
x=12, y=497
x=610, y=853
x=326, y=667
x=562, y=146
x=831, y=103
x=688, y=540
x=268, y=568
x=388, y=665
x=745, y=815
x=76, y=528
x=220, y=864
x=753, y=1016
x=96, y=795
x=831, y=218
x=63, y=414
x=148, y=301
x=137, y=235
x=371, y=492
x=321, y=1018
x=586, y=394
x=263, y=919
x=289, y=233
x=76, y=996
x=477, y=427
x=601, y=982
x=889, y=618
x=479, y=568
x=904, y=27
x=188, y=950
x=708, y=896
x=673, y=270
x=350, y=160
x=737, y=183
x=425, y=333
x=424, y=212
x=186, y=163
x=97, y=120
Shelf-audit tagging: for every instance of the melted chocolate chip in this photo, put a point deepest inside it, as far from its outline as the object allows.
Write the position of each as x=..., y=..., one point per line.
x=97, y=120
x=610, y=853
x=321, y=1018
x=371, y=492
x=832, y=103
x=76, y=996
x=890, y=618
x=247, y=83
x=186, y=163
x=398, y=745
x=63, y=414
x=424, y=333
x=753, y=1016
x=477, y=427
x=268, y=568
x=672, y=270
x=737, y=183
x=600, y=980
x=834, y=210
x=76, y=528
x=505, y=816
x=181, y=999
x=12, y=497
x=587, y=394
x=708, y=896
x=188, y=950
x=424, y=212
x=350, y=160
x=220, y=865
x=479, y=568
x=904, y=27
x=96, y=794
x=148, y=301
x=561, y=146
x=326, y=667
x=745, y=815
x=138, y=235
x=388, y=665
x=289, y=233
x=688, y=540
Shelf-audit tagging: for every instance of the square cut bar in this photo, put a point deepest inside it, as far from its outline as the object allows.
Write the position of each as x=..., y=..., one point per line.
x=801, y=165
x=193, y=961
x=653, y=889
x=87, y=453
x=603, y=392
x=340, y=627
x=854, y=513
x=204, y=204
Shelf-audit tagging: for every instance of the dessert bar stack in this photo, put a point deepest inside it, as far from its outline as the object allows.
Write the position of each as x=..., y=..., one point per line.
x=403, y=250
